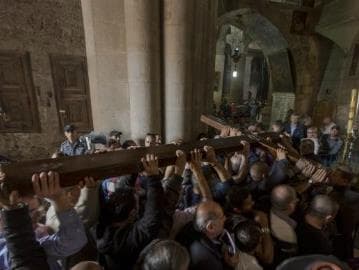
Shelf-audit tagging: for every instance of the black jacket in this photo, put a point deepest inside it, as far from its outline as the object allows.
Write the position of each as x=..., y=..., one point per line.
x=205, y=254
x=298, y=134
x=25, y=252
x=119, y=248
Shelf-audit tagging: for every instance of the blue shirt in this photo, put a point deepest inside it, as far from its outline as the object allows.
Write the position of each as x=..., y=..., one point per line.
x=77, y=148
x=70, y=239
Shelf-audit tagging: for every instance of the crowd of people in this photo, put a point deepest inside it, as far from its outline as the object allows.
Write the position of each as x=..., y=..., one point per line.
x=249, y=209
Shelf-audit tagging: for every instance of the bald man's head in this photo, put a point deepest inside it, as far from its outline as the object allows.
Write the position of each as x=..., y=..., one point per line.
x=87, y=266
x=284, y=198
x=321, y=207
x=210, y=219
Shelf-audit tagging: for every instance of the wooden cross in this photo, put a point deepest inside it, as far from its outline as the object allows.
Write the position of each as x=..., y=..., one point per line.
x=72, y=170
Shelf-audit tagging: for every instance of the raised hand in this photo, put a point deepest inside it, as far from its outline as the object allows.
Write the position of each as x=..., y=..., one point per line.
x=180, y=162
x=196, y=160
x=261, y=218
x=47, y=185
x=281, y=154
x=150, y=164
x=300, y=164
x=8, y=201
x=225, y=131
x=233, y=132
x=210, y=154
x=308, y=170
x=320, y=176
x=88, y=182
x=246, y=148
x=2, y=176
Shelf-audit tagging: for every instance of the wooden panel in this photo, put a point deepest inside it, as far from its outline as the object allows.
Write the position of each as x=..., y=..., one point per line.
x=70, y=79
x=17, y=97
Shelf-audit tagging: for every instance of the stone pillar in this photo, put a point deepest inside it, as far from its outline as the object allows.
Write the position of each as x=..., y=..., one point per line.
x=236, y=82
x=178, y=17
x=104, y=24
x=247, y=76
x=142, y=20
x=189, y=46
x=219, y=67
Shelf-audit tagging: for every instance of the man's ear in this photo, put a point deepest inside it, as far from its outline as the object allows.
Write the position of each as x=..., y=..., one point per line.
x=328, y=218
x=210, y=226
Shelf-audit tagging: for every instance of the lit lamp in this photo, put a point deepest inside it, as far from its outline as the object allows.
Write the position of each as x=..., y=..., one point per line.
x=235, y=57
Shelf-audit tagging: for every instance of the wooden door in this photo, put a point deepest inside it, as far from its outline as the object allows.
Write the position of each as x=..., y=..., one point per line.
x=69, y=74
x=18, y=109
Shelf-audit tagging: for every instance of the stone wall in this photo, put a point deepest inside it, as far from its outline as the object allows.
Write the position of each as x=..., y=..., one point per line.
x=40, y=27
x=339, y=23
x=346, y=82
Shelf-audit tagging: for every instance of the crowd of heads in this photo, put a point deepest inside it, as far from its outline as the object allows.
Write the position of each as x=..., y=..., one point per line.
x=250, y=209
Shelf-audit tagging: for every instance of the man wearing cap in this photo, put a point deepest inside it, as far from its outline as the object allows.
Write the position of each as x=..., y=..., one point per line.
x=114, y=141
x=72, y=146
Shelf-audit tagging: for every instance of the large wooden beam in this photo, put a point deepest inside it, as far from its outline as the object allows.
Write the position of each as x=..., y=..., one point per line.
x=100, y=166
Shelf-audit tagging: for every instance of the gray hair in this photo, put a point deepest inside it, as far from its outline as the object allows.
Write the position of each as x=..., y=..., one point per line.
x=321, y=206
x=202, y=221
x=282, y=196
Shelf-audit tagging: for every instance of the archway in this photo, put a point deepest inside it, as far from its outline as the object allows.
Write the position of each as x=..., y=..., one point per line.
x=259, y=31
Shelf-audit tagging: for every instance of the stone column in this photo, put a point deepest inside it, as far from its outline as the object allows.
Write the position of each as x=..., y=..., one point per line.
x=236, y=83
x=247, y=76
x=188, y=28
x=142, y=20
x=219, y=67
x=104, y=24
x=178, y=17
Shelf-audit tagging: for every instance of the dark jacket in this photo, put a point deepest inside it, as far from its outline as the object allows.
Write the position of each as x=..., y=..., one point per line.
x=312, y=240
x=298, y=134
x=172, y=188
x=119, y=247
x=205, y=254
x=25, y=252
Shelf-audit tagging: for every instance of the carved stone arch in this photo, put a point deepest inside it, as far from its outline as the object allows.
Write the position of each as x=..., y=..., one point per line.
x=275, y=49
x=271, y=41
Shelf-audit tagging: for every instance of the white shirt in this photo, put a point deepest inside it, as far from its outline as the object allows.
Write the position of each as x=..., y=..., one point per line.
x=247, y=262
x=292, y=128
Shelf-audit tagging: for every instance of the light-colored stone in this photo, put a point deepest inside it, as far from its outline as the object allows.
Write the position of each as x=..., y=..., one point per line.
x=143, y=62
x=281, y=103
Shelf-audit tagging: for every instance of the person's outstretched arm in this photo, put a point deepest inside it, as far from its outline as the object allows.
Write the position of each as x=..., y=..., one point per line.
x=25, y=252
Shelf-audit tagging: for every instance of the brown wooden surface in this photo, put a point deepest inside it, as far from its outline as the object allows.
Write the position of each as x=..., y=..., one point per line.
x=69, y=74
x=17, y=95
x=260, y=139
x=212, y=121
x=74, y=169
